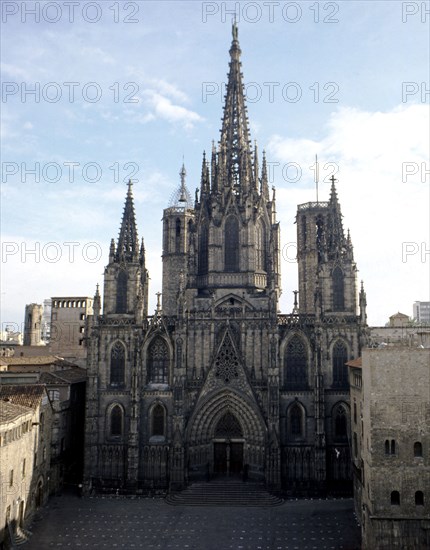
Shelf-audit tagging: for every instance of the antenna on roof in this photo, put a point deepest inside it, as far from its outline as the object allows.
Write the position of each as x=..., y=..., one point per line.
x=316, y=175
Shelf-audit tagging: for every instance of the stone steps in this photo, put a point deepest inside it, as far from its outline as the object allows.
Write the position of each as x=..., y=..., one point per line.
x=21, y=536
x=224, y=493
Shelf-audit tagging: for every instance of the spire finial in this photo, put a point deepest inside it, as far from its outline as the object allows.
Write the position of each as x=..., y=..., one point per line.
x=333, y=180
x=183, y=173
x=234, y=29
x=158, y=294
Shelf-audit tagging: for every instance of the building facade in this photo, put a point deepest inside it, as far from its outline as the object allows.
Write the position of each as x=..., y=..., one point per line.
x=25, y=467
x=33, y=325
x=67, y=331
x=422, y=312
x=217, y=381
x=390, y=400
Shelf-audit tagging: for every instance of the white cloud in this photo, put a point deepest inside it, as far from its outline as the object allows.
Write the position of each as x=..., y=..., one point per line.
x=166, y=110
x=14, y=71
x=384, y=207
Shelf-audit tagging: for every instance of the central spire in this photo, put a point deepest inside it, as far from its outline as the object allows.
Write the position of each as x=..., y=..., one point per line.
x=235, y=151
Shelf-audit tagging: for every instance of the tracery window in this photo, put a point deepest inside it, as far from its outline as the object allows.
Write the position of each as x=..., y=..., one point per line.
x=338, y=290
x=228, y=426
x=178, y=235
x=158, y=361
x=231, y=244
x=158, y=420
x=320, y=238
x=339, y=358
x=117, y=364
x=295, y=417
x=116, y=421
x=121, y=292
x=340, y=422
x=227, y=362
x=296, y=361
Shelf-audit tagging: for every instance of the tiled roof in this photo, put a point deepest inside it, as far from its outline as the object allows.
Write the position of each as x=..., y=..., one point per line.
x=37, y=360
x=354, y=362
x=51, y=378
x=72, y=375
x=10, y=411
x=23, y=394
x=64, y=377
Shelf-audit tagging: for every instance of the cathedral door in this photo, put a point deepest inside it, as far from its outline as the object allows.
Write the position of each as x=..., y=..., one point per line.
x=228, y=457
x=228, y=447
x=236, y=458
x=220, y=458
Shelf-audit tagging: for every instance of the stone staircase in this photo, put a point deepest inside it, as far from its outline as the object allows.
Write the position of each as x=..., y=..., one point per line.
x=20, y=536
x=224, y=492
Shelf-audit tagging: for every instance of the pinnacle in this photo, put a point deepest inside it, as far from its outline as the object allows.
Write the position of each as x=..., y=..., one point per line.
x=127, y=247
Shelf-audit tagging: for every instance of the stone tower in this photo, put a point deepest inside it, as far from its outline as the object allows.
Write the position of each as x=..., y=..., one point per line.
x=217, y=381
x=33, y=325
x=125, y=278
x=327, y=271
x=177, y=223
x=113, y=358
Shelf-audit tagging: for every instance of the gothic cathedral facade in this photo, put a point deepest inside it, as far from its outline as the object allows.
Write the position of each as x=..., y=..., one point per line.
x=217, y=381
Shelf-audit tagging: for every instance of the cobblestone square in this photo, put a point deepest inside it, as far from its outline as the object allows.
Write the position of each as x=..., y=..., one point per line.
x=123, y=523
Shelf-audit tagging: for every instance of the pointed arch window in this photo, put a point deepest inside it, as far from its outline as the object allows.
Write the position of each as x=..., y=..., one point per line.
x=340, y=370
x=295, y=421
x=231, y=244
x=296, y=364
x=158, y=362
x=203, y=250
x=320, y=238
x=178, y=235
x=117, y=364
x=116, y=420
x=304, y=230
x=338, y=290
x=121, y=292
x=158, y=420
x=340, y=417
x=260, y=247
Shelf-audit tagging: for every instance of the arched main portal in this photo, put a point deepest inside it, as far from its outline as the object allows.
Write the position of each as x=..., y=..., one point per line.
x=226, y=434
x=228, y=446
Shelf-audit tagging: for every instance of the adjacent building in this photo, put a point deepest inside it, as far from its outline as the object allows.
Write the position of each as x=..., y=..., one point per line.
x=25, y=464
x=422, y=312
x=33, y=325
x=390, y=402
x=67, y=334
x=65, y=384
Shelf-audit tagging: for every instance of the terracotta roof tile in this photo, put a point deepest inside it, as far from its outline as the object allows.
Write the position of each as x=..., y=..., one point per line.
x=23, y=394
x=37, y=360
x=10, y=411
x=354, y=362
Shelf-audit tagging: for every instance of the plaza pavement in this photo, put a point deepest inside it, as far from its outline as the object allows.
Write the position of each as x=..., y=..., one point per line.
x=69, y=522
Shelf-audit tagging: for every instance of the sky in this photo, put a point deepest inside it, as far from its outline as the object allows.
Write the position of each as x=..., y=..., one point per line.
x=99, y=92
